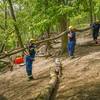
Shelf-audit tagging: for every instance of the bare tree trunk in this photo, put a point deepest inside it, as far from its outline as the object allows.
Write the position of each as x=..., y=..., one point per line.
x=63, y=27
x=5, y=13
x=5, y=28
x=95, y=17
x=48, y=43
x=5, y=22
x=64, y=37
x=47, y=91
x=91, y=11
x=16, y=27
x=48, y=46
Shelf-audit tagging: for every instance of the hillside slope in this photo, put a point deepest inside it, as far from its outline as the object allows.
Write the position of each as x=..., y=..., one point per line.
x=15, y=86
x=80, y=80
x=81, y=76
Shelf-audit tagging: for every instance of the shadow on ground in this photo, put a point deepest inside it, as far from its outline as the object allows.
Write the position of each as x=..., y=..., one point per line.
x=87, y=92
x=3, y=98
x=85, y=49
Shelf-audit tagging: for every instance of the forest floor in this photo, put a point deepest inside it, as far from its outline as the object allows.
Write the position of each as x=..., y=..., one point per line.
x=81, y=76
x=80, y=80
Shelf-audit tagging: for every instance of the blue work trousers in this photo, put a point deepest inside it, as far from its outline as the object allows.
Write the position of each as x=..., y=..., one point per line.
x=29, y=70
x=71, y=47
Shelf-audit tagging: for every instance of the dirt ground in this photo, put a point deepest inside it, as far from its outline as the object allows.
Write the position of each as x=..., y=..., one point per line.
x=81, y=76
x=15, y=85
x=80, y=80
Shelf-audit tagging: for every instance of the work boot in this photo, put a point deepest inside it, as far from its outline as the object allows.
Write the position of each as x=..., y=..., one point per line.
x=30, y=78
x=72, y=57
x=96, y=42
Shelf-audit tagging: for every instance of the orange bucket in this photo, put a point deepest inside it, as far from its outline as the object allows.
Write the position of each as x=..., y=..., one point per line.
x=19, y=60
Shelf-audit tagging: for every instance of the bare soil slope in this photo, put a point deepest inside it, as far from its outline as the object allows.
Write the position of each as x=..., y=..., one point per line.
x=80, y=81
x=15, y=86
x=81, y=76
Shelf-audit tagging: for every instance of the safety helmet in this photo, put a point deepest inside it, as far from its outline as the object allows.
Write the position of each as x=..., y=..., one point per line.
x=71, y=28
x=97, y=21
x=32, y=40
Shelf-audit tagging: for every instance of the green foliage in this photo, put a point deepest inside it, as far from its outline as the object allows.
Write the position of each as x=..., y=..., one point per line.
x=34, y=17
x=97, y=9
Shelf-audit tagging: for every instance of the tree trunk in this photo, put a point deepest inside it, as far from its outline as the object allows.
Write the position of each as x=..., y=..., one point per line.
x=5, y=28
x=63, y=25
x=47, y=91
x=16, y=27
x=5, y=3
x=91, y=11
x=95, y=17
x=48, y=44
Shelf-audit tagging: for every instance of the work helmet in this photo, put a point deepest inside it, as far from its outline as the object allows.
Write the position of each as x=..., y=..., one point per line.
x=71, y=28
x=32, y=40
x=97, y=21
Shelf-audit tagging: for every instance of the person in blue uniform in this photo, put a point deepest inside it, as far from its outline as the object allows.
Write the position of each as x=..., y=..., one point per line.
x=71, y=42
x=29, y=62
x=31, y=48
x=95, y=31
x=29, y=58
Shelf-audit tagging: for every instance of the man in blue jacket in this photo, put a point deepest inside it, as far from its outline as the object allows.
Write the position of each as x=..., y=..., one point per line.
x=29, y=58
x=31, y=48
x=95, y=31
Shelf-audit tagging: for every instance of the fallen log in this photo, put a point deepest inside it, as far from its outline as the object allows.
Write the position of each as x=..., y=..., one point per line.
x=42, y=41
x=4, y=61
x=46, y=93
x=82, y=30
x=12, y=53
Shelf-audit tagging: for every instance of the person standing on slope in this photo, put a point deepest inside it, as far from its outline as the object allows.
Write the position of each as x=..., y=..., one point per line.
x=29, y=58
x=95, y=31
x=71, y=42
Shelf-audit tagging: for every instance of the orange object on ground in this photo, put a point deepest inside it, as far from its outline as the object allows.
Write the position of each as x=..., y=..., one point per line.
x=19, y=60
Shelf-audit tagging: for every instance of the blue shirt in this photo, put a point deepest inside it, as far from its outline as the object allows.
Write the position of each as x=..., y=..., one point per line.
x=73, y=38
x=32, y=50
x=96, y=27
